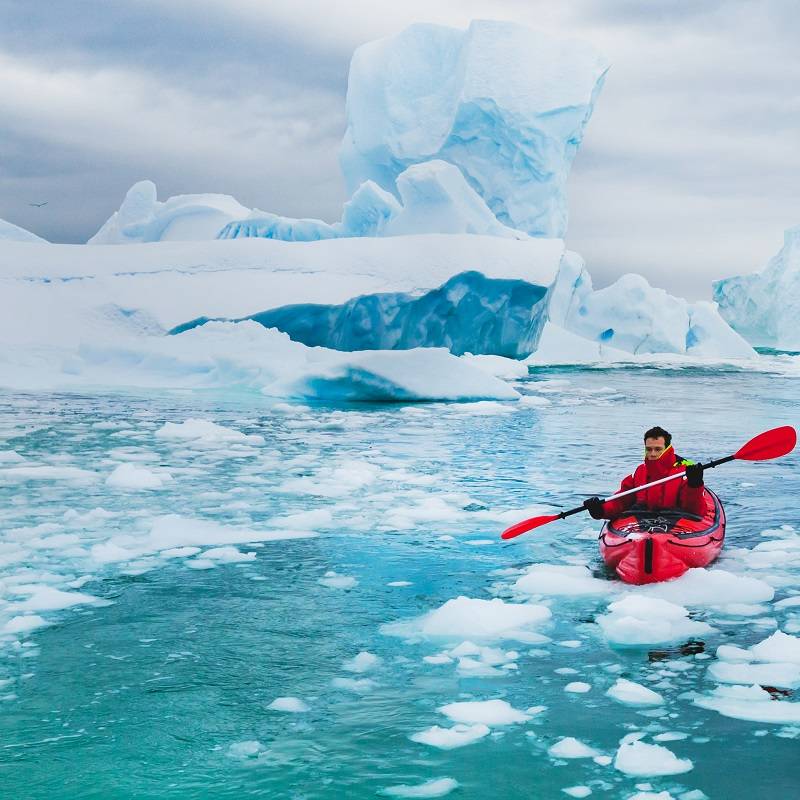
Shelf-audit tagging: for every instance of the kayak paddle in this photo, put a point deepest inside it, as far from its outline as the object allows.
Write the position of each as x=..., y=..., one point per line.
x=770, y=444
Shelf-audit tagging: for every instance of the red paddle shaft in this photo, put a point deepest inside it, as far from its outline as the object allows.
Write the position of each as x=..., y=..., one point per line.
x=770, y=444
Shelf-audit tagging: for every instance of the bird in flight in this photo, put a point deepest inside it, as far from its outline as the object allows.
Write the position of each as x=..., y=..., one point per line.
x=39, y=205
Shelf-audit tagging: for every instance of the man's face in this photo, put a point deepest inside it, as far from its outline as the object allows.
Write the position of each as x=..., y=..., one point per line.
x=653, y=448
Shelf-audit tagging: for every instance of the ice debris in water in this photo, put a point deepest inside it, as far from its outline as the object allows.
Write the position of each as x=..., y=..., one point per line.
x=487, y=712
x=333, y=580
x=202, y=432
x=750, y=703
x=130, y=476
x=577, y=791
x=578, y=687
x=561, y=580
x=472, y=618
x=363, y=662
x=438, y=787
x=637, y=620
x=640, y=759
x=569, y=747
x=777, y=663
x=634, y=694
x=710, y=587
x=250, y=748
x=293, y=705
x=450, y=738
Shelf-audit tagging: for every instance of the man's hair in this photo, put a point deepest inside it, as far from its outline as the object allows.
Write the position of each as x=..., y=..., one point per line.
x=655, y=433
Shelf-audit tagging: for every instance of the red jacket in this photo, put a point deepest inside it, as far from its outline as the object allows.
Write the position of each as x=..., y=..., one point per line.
x=672, y=494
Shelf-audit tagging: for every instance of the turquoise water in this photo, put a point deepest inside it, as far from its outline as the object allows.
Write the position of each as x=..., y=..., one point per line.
x=144, y=697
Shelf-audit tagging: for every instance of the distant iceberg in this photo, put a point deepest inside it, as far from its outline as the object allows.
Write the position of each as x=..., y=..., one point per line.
x=186, y=217
x=764, y=307
x=13, y=233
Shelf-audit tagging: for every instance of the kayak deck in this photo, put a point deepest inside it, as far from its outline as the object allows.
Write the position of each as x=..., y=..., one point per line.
x=648, y=546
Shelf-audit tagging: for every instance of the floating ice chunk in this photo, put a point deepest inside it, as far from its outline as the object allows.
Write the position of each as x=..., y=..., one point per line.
x=788, y=602
x=251, y=748
x=773, y=674
x=559, y=346
x=486, y=712
x=637, y=620
x=439, y=787
x=45, y=473
x=201, y=563
x=665, y=795
x=577, y=791
x=670, y=736
x=634, y=694
x=203, y=432
x=10, y=457
x=780, y=647
x=450, y=738
x=578, y=687
x=129, y=476
x=640, y=759
x=48, y=598
x=228, y=555
x=570, y=747
x=399, y=584
x=24, y=624
x=333, y=580
x=561, y=580
x=293, y=705
x=363, y=662
x=465, y=617
x=357, y=685
x=304, y=520
x=710, y=587
x=751, y=703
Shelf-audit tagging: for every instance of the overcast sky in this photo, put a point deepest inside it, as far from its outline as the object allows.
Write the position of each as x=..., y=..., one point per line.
x=689, y=170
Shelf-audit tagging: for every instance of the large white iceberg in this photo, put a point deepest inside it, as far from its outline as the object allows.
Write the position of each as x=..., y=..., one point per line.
x=763, y=307
x=506, y=104
x=186, y=217
x=9, y=232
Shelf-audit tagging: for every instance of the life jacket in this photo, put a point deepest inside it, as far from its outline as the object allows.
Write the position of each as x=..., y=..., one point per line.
x=671, y=494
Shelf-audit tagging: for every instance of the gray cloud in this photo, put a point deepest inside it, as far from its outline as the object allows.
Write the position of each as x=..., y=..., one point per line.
x=688, y=171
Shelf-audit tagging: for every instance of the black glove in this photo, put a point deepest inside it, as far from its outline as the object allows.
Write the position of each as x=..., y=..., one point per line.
x=594, y=505
x=694, y=475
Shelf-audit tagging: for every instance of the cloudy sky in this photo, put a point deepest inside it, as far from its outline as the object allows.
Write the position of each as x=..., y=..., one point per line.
x=690, y=169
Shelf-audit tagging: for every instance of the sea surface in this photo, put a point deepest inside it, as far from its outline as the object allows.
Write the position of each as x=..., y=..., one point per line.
x=159, y=685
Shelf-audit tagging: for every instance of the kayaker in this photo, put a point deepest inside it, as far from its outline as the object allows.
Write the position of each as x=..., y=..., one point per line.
x=659, y=461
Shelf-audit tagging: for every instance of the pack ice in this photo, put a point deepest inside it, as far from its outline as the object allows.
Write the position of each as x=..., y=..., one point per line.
x=762, y=307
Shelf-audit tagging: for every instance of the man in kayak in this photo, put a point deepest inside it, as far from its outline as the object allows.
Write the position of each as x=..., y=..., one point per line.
x=659, y=461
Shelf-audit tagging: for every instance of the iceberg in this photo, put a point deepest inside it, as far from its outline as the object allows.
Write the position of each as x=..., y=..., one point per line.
x=186, y=217
x=762, y=307
x=634, y=317
x=434, y=198
x=505, y=104
x=13, y=233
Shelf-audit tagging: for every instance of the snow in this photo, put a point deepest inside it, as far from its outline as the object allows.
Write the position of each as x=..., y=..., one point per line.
x=639, y=759
x=438, y=787
x=450, y=738
x=570, y=747
x=477, y=619
x=637, y=621
x=634, y=694
x=293, y=705
x=13, y=233
x=486, y=712
x=507, y=105
x=187, y=217
x=762, y=306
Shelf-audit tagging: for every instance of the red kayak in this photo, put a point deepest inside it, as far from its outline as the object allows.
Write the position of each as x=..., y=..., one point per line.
x=645, y=546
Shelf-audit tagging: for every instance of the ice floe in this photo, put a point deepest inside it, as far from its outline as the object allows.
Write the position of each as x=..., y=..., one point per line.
x=640, y=759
